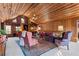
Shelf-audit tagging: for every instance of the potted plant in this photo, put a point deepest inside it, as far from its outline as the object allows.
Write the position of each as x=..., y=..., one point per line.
x=2, y=32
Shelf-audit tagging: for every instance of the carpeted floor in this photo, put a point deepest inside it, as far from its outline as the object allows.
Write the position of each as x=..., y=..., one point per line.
x=39, y=49
x=12, y=48
x=62, y=51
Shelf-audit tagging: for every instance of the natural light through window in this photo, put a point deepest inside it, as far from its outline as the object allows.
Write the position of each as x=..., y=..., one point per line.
x=8, y=29
x=17, y=28
x=22, y=20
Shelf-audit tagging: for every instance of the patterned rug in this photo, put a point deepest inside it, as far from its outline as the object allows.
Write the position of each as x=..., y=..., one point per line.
x=38, y=49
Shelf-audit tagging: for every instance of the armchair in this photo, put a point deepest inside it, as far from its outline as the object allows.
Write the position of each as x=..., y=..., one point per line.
x=65, y=41
x=29, y=40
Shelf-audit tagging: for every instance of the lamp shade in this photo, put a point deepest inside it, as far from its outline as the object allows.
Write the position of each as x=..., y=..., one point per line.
x=60, y=28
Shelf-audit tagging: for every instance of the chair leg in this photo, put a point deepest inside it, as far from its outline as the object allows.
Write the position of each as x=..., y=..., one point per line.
x=67, y=47
x=57, y=46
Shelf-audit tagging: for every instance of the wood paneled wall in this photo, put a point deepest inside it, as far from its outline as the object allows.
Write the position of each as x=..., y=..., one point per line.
x=69, y=25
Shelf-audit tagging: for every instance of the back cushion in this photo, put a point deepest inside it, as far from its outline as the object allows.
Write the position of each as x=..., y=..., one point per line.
x=65, y=35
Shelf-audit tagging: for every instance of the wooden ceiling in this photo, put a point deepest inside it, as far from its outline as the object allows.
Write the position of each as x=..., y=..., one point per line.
x=44, y=12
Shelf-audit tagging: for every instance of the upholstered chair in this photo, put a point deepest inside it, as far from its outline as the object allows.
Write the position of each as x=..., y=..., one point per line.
x=30, y=41
x=64, y=41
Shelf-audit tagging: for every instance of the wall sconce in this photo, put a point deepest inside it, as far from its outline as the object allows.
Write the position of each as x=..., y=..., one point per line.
x=15, y=21
x=60, y=28
x=31, y=28
x=38, y=28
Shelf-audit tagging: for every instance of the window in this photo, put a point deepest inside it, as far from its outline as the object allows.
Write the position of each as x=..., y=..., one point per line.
x=17, y=28
x=8, y=29
x=22, y=20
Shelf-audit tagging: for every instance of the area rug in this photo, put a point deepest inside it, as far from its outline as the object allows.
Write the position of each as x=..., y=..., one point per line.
x=38, y=49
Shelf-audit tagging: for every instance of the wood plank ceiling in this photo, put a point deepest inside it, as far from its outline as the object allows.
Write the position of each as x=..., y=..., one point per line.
x=44, y=12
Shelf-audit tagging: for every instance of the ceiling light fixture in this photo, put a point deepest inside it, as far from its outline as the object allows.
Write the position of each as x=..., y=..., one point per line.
x=34, y=17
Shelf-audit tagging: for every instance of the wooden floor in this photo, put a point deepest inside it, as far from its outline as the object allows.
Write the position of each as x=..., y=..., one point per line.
x=2, y=49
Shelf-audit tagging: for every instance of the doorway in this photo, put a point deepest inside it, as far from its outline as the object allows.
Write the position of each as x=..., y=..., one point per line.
x=77, y=28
